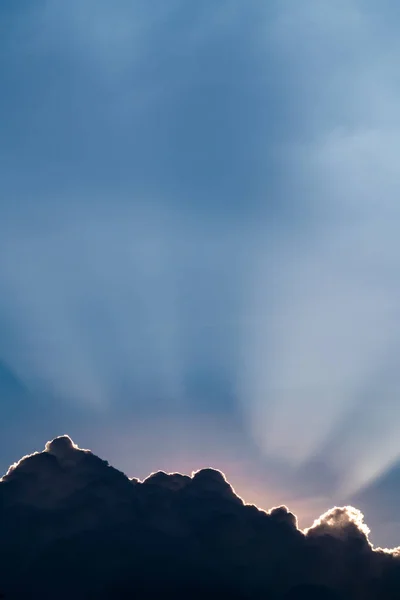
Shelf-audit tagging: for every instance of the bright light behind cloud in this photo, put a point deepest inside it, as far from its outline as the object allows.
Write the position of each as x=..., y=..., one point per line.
x=333, y=289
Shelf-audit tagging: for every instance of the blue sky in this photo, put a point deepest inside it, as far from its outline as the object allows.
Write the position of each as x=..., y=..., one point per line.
x=198, y=240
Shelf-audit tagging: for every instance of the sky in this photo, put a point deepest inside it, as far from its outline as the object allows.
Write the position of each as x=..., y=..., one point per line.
x=199, y=259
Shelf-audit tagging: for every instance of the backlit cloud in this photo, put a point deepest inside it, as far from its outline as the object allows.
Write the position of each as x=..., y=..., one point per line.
x=195, y=522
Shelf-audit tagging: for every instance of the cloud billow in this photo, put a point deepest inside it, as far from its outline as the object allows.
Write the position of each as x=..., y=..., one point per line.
x=72, y=525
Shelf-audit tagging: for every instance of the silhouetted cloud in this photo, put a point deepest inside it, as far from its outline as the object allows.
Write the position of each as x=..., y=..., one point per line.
x=73, y=526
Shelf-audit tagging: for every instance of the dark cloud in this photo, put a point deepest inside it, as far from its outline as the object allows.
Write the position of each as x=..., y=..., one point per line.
x=73, y=526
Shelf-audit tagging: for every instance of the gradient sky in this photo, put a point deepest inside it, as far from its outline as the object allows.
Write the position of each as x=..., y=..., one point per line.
x=199, y=250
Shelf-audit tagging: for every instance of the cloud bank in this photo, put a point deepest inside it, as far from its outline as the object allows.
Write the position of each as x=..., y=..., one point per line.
x=73, y=525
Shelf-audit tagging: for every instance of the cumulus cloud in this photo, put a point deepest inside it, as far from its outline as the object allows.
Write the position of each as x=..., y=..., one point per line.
x=173, y=534
x=340, y=522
